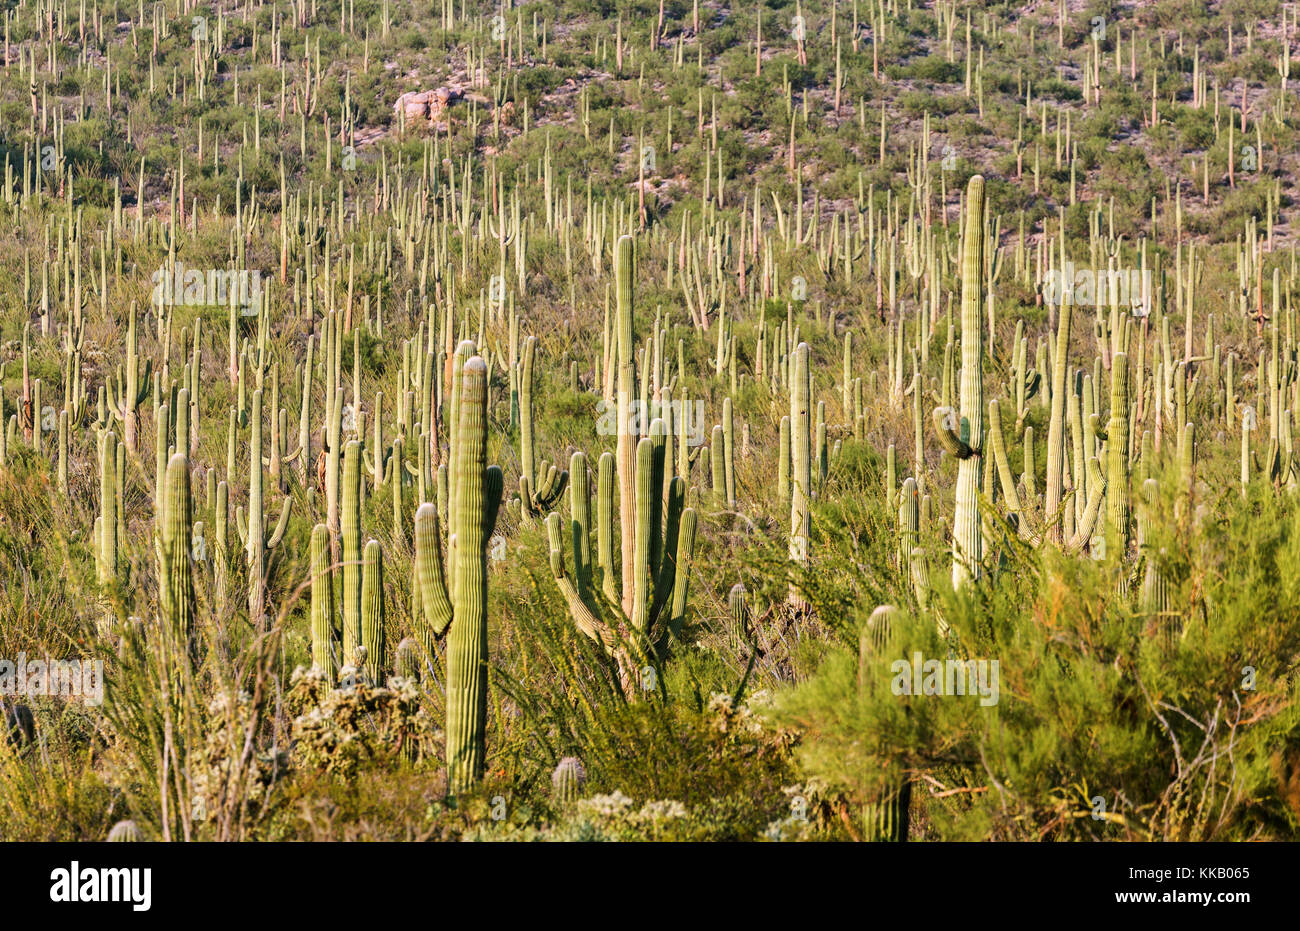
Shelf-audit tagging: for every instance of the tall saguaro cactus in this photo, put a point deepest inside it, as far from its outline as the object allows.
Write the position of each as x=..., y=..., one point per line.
x=965, y=437
x=258, y=543
x=1056, y=425
x=372, y=611
x=801, y=486
x=1117, y=461
x=467, y=643
x=656, y=527
x=106, y=538
x=626, y=451
x=131, y=387
x=322, y=603
x=350, y=517
x=176, y=581
x=463, y=609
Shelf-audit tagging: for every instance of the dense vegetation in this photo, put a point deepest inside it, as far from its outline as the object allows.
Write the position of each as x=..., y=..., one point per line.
x=578, y=452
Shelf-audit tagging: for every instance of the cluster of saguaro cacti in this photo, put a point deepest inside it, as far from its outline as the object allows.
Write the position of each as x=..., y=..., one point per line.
x=984, y=464
x=362, y=613
x=1110, y=412
x=657, y=528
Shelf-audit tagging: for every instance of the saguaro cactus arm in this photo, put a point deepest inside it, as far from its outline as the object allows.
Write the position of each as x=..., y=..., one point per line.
x=1088, y=522
x=583, y=617
x=944, y=425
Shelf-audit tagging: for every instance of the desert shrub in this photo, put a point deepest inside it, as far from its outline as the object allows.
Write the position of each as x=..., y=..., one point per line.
x=1110, y=721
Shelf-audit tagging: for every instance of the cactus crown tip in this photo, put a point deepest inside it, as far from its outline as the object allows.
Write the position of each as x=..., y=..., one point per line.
x=571, y=766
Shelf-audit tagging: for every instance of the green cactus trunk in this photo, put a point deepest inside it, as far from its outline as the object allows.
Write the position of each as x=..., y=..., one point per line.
x=322, y=603
x=967, y=535
x=350, y=516
x=801, y=456
x=176, y=583
x=467, y=653
x=886, y=813
x=626, y=443
x=1117, y=461
x=372, y=612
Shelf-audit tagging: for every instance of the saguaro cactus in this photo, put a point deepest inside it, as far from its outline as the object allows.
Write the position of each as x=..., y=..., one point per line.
x=106, y=538
x=1056, y=425
x=568, y=779
x=801, y=473
x=350, y=517
x=964, y=439
x=128, y=391
x=885, y=816
x=463, y=610
x=322, y=603
x=125, y=832
x=372, y=611
x=467, y=643
x=626, y=393
x=1117, y=461
x=176, y=581
x=258, y=544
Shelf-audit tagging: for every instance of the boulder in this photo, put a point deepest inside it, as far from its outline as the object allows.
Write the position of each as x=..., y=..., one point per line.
x=427, y=106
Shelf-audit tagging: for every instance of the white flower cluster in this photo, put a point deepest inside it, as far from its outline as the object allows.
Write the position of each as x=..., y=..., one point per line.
x=615, y=814
x=730, y=719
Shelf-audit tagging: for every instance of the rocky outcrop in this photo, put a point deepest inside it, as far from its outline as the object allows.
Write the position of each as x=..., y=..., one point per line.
x=426, y=107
